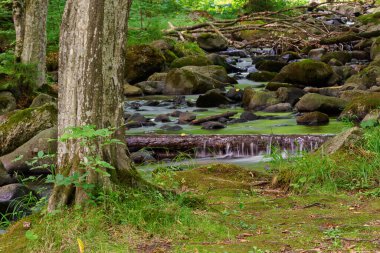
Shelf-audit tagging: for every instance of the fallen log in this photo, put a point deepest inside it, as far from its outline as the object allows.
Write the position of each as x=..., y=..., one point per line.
x=213, y=118
x=349, y=37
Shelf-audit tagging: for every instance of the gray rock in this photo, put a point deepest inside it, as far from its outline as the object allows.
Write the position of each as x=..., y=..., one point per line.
x=162, y=118
x=281, y=107
x=9, y=195
x=315, y=102
x=143, y=156
x=316, y=54
x=289, y=95
x=313, y=119
x=5, y=178
x=186, y=117
x=212, y=125
x=7, y=102
x=248, y=116
x=44, y=141
x=131, y=91
x=212, y=98
x=171, y=128
x=212, y=42
x=151, y=87
x=42, y=99
x=343, y=141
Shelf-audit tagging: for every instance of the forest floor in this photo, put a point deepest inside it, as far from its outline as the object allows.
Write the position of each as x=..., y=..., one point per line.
x=240, y=214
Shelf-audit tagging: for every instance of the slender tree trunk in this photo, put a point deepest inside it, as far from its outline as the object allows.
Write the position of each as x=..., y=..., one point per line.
x=91, y=63
x=29, y=18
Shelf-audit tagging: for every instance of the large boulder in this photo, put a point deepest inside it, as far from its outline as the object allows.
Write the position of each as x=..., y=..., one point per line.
x=21, y=126
x=341, y=56
x=359, y=107
x=131, y=91
x=190, y=61
x=261, y=76
x=306, y=72
x=270, y=66
x=9, y=193
x=212, y=42
x=212, y=98
x=258, y=100
x=289, y=95
x=151, y=87
x=218, y=60
x=143, y=61
x=18, y=160
x=365, y=79
x=166, y=47
x=185, y=82
x=343, y=141
x=7, y=102
x=215, y=72
x=42, y=99
x=281, y=107
x=313, y=119
x=315, y=102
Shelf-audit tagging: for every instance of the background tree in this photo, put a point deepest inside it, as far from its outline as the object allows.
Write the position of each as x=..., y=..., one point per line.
x=91, y=63
x=29, y=18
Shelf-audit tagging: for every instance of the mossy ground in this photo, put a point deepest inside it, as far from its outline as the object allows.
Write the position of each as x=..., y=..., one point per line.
x=240, y=214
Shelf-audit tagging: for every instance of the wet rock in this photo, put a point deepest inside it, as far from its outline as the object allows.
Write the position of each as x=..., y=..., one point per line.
x=289, y=95
x=131, y=91
x=314, y=102
x=316, y=54
x=258, y=100
x=235, y=94
x=134, y=105
x=186, y=117
x=22, y=125
x=248, y=116
x=25, y=153
x=143, y=61
x=151, y=87
x=212, y=125
x=359, y=107
x=137, y=120
x=218, y=60
x=270, y=66
x=175, y=114
x=212, y=42
x=179, y=100
x=7, y=102
x=306, y=72
x=273, y=86
x=313, y=119
x=184, y=82
x=289, y=56
x=190, y=61
x=262, y=76
x=343, y=141
x=171, y=128
x=143, y=156
x=201, y=110
x=158, y=77
x=5, y=178
x=162, y=118
x=9, y=193
x=42, y=99
x=152, y=103
x=212, y=98
x=342, y=56
x=281, y=107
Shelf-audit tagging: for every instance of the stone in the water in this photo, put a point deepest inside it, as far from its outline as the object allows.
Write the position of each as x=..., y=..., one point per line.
x=270, y=66
x=313, y=119
x=162, y=118
x=9, y=193
x=143, y=156
x=175, y=114
x=289, y=95
x=152, y=103
x=186, y=117
x=135, y=105
x=201, y=110
x=179, y=100
x=248, y=116
x=281, y=107
x=262, y=76
x=235, y=94
x=171, y=128
x=315, y=102
x=212, y=98
x=212, y=125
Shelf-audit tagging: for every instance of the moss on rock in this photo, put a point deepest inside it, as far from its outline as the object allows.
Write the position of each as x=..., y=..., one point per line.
x=190, y=61
x=313, y=119
x=359, y=107
x=182, y=49
x=262, y=76
x=271, y=66
x=341, y=56
x=315, y=102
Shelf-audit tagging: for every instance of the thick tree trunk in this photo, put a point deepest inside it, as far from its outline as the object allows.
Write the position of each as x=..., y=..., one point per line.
x=29, y=18
x=92, y=45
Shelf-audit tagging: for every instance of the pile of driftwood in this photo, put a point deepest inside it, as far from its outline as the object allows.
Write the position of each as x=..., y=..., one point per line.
x=293, y=28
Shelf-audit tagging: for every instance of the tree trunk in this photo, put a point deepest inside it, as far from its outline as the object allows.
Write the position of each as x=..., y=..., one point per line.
x=91, y=64
x=29, y=18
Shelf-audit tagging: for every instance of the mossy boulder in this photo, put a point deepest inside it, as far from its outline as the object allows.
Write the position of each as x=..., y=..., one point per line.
x=42, y=99
x=306, y=72
x=20, y=126
x=185, y=82
x=271, y=66
x=18, y=160
x=273, y=86
x=190, y=61
x=289, y=95
x=315, y=102
x=143, y=61
x=262, y=76
x=7, y=102
x=166, y=46
x=343, y=141
x=359, y=107
x=158, y=77
x=182, y=49
x=372, y=18
x=212, y=98
x=365, y=79
x=215, y=72
x=258, y=100
x=212, y=42
x=342, y=56
x=313, y=119
x=131, y=91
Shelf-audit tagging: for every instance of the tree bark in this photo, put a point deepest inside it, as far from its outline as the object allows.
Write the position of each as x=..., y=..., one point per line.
x=91, y=63
x=29, y=18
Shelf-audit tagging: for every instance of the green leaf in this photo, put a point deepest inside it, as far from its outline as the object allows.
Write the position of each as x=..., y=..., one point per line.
x=40, y=154
x=30, y=235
